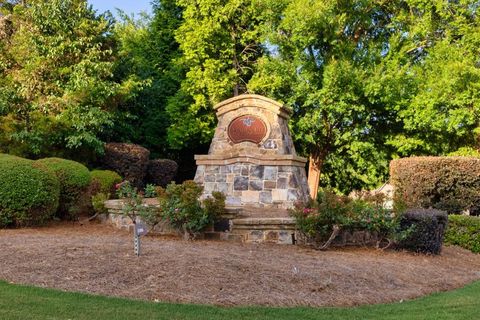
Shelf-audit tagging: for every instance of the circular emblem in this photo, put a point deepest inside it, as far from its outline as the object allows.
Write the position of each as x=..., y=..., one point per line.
x=247, y=128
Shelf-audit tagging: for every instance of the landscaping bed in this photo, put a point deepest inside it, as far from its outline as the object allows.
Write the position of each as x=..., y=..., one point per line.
x=98, y=259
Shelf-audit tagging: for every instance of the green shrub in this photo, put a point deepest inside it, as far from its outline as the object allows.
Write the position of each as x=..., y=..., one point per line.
x=319, y=219
x=29, y=192
x=104, y=181
x=464, y=231
x=180, y=206
x=98, y=202
x=74, y=181
x=446, y=183
x=427, y=229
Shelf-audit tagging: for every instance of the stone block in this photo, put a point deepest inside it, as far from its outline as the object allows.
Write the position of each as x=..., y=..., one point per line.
x=255, y=236
x=285, y=237
x=282, y=183
x=293, y=182
x=257, y=172
x=245, y=171
x=221, y=177
x=292, y=195
x=233, y=201
x=266, y=197
x=269, y=184
x=223, y=187
x=250, y=196
x=271, y=236
x=240, y=183
x=270, y=173
x=210, y=177
x=212, y=169
x=230, y=177
x=208, y=187
x=255, y=185
x=279, y=195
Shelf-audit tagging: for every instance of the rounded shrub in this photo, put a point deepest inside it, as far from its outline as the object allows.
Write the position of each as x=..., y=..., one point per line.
x=29, y=192
x=104, y=181
x=129, y=160
x=446, y=183
x=160, y=172
x=74, y=181
x=464, y=231
x=425, y=230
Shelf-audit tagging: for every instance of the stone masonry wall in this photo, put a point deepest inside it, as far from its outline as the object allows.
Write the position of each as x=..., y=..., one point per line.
x=255, y=185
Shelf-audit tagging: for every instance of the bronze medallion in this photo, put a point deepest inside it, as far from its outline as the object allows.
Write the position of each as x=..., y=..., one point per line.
x=247, y=128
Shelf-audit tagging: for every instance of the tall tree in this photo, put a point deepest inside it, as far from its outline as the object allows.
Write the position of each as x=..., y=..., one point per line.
x=219, y=41
x=323, y=53
x=148, y=50
x=56, y=65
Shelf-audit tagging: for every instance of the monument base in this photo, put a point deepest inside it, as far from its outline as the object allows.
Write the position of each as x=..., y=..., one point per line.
x=254, y=182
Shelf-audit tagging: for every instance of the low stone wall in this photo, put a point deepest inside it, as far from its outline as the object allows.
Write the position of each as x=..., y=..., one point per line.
x=120, y=221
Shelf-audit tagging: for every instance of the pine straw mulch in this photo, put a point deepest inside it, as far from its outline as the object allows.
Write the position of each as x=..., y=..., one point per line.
x=99, y=259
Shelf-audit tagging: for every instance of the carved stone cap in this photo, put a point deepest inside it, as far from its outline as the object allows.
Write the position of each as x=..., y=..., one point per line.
x=253, y=100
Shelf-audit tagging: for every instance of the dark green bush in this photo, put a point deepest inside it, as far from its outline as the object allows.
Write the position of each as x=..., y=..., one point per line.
x=29, y=192
x=105, y=181
x=446, y=183
x=129, y=160
x=464, y=231
x=161, y=172
x=427, y=228
x=74, y=181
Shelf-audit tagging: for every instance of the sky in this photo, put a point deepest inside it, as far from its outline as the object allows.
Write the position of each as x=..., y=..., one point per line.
x=129, y=6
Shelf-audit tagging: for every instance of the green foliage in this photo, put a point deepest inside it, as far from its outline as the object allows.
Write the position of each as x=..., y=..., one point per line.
x=446, y=183
x=106, y=180
x=150, y=191
x=463, y=231
x=132, y=202
x=180, y=206
x=56, y=67
x=74, y=180
x=220, y=43
x=147, y=50
x=29, y=192
x=317, y=219
x=98, y=202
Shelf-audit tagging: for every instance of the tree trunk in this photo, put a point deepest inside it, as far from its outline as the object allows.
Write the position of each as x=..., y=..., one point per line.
x=314, y=171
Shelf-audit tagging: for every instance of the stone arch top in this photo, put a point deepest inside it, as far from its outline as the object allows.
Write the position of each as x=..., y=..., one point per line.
x=253, y=100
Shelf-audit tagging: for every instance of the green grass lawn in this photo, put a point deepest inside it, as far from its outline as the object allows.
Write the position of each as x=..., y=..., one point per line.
x=24, y=302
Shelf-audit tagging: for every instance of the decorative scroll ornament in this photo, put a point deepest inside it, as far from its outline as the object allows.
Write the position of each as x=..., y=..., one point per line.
x=247, y=128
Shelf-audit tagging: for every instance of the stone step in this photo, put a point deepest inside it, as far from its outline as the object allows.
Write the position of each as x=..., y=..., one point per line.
x=248, y=211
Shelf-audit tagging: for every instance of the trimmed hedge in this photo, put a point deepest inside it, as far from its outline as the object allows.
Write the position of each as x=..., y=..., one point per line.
x=160, y=172
x=427, y=229
x=464, y=231
x=74, y=181
x=104, y=181
x=446, y=183
x=129, y=160
x=29, y=192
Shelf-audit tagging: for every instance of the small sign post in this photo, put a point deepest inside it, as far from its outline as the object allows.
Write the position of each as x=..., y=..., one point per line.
x=139, y=230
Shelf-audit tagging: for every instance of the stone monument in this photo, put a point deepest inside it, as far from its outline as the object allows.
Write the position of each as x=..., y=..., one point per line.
x=252, y=159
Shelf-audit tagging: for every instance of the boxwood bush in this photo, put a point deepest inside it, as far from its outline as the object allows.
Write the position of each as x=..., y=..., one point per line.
x=74, y=181
x=129, y=160
x=427, y=230
x=104, y=181
x=29, y=192
x=446, y=183
x=464, y=231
